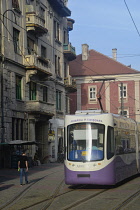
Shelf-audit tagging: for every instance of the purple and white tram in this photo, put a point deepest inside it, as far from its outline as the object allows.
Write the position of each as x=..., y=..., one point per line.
x=100, y=148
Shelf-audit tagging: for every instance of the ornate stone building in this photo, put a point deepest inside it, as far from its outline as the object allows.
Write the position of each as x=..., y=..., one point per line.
x=34, y=77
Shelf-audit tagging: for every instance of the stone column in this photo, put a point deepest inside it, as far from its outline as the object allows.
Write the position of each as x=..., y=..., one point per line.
x=79, y=97
x=107, y=97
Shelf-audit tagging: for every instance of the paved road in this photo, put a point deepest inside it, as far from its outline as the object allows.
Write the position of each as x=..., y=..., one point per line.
x=107, y=199
x=9, y=179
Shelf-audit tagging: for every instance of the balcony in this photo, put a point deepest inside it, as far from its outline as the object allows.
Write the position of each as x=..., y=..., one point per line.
x=60, y=7
x=37, y=65
x=69, y=51
x=40, y=108
x=70, y=84
x=35, y=23
x=70, y=23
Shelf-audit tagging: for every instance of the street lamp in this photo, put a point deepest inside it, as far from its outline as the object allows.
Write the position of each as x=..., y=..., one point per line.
x=12, y=12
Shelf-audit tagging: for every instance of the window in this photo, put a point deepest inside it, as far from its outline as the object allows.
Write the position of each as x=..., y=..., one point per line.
x=16, y=40
x=123, y=91
x=27, y=1
x=30, y=46
x=18, y=87
x=43, y=51
x=64, y=37
x=42, y=13
x=56, y=31
x=92, y=93
x=110, y=142
x=17, y=129
x=124, y=113
x=45, y=94
x=85, y=141
x=32, y=91
x=58, y=100
x=15, y=4
x=57, y=65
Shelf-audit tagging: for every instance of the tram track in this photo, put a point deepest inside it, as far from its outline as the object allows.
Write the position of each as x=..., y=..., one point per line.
x=25, y=191
x=87, y=198
x=50, y=199
x=127, y=201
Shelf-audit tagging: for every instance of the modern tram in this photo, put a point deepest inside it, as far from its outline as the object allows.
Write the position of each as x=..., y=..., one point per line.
x=100, y=148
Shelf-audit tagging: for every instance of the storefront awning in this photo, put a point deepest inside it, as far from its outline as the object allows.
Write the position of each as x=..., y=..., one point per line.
x=21, y=142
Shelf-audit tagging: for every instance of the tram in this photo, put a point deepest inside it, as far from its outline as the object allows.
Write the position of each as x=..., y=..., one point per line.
x=100, y=148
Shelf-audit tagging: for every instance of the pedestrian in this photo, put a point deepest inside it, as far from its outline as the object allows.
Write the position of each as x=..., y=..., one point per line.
x=23, y=167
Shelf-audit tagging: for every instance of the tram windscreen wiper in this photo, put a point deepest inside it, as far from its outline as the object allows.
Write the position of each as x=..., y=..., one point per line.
x=83, y=158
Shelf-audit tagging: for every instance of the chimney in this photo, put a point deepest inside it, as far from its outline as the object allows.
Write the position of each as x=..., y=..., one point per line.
x=114, y=53
x=85, y=52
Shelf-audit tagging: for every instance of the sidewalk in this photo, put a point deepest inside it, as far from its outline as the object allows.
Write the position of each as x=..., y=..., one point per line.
x=9, y=180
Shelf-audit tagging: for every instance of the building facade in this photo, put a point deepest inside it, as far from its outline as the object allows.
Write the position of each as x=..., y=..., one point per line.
x=104, y=83
x=34, y=64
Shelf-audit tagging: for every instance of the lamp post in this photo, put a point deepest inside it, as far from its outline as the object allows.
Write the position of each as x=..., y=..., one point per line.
x=12, y=12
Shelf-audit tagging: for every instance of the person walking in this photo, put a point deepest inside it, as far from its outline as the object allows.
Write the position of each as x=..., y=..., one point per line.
x=23, y=167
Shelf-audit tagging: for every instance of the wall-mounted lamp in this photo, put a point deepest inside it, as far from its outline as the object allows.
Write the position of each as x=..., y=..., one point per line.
x=12, y=12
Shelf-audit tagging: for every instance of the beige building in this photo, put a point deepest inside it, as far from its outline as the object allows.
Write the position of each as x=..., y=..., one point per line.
x=34, y=77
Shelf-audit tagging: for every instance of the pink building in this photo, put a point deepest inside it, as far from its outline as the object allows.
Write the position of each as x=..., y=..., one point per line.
x=99, y=76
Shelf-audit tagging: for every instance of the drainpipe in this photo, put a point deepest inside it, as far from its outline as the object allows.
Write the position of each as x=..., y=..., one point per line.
x=2, y=101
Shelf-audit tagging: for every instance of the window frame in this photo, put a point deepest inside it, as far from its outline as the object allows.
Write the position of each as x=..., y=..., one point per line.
x=58, y=100
x=45, y=94
x=16, y=36
x=18, y=87
x=92, y=99
x=57, y=65
x=32, y=91
x=124, y=91
x=43, y=52
x=56, y=30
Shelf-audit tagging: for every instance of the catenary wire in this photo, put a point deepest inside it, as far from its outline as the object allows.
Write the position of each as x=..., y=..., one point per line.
x=132, y=18
x=55, y=49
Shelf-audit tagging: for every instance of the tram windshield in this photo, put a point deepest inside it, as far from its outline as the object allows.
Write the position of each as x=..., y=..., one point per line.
x=85, y=141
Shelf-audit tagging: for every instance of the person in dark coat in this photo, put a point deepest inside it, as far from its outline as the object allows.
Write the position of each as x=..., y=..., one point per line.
x=23, y=167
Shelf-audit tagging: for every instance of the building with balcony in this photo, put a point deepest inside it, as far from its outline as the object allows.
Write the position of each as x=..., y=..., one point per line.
x=34, y=72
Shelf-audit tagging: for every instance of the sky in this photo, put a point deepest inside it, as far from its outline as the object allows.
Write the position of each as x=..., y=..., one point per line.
x=107, y=24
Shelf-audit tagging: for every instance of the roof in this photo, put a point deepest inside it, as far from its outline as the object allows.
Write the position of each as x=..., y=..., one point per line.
x=98, y=65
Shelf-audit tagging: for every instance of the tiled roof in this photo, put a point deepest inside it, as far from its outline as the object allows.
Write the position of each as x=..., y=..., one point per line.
x=97, y=65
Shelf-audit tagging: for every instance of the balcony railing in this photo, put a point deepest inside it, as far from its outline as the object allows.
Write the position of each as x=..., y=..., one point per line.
x=60, y=7
x=37, y=63
x=34, y=22
x=70, y=23
x=69, y=51
x=39, y=107
x=70, y=84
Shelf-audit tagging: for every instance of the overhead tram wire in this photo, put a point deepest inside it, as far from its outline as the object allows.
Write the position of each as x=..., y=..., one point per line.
x=132, y=18
x=58, y=51
x=49, y=87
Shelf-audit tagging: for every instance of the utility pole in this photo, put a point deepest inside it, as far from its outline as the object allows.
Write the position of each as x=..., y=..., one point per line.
x=122, y=102
x=98, y=94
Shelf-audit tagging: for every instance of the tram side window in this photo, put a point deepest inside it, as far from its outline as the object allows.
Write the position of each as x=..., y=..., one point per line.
x=110, y=142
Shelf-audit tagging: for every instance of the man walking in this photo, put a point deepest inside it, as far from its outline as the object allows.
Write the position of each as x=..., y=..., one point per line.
x=23, y=167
